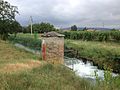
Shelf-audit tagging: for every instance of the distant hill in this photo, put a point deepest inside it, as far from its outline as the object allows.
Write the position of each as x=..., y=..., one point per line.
x=81, y=28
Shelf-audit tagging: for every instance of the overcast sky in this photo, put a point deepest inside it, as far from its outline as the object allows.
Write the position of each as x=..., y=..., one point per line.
x=64, y=13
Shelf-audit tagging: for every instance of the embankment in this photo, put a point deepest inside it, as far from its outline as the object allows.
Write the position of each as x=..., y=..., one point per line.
x=104, y=55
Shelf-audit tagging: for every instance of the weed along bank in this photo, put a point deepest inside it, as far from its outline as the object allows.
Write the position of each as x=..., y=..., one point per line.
x=53, y=47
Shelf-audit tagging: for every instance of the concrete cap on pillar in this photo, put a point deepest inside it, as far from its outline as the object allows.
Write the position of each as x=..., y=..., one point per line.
x=52, y=34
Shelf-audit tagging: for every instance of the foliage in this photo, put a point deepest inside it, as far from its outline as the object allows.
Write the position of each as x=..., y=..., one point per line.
x=93, y=35
x=74, y=28
x=7, y=11
x=25, y=30
x=15, y=27
x=40, y=28
x=108, y=83
x=35, y=35
x=7, y=18
x=84, y=29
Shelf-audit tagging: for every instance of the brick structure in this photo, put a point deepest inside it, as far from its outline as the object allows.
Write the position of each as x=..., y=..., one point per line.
x=53, y=48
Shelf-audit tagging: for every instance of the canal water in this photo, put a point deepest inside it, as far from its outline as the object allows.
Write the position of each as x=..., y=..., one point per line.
x=83, y=69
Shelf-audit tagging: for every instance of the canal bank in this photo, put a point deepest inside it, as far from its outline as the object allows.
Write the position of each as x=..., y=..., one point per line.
x=83, y=68
x=86, y=69
x=103, y=55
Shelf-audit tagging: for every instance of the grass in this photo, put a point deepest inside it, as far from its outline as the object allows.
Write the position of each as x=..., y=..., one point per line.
x=23, y=72
x=28, y=35
x=27, y=40
x=20, y=71
x=47, y=77
x=51, y=77
x=11, y=57
x=11, y=54
x=101, y=53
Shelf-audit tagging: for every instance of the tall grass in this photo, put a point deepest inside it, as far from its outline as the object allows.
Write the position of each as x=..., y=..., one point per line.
x=109, y=82
x=46, y=77
x=53, y=77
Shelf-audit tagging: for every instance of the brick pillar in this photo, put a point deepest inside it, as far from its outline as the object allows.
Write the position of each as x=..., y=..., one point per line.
x=54, y=48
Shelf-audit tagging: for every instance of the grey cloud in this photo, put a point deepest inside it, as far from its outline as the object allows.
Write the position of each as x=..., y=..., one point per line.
x=68, y=12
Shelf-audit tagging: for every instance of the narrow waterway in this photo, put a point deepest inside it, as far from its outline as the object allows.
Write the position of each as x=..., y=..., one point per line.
x=85, y=70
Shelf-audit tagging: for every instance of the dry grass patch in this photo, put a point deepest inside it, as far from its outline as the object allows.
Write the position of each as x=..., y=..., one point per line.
x=20, y=66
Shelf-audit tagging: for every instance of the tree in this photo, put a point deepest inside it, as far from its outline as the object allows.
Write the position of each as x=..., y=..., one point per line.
x=74, y=28
x=7, y=17
x=15, y=27
x=113, y=29
x=84, y=29
x=42, y=27
x=26, y=29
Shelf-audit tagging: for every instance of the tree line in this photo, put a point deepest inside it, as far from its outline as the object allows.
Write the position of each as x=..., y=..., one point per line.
x=9, y=25
x=39, y=28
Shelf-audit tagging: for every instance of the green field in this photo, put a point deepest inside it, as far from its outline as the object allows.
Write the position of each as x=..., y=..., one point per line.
x=27, y=71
